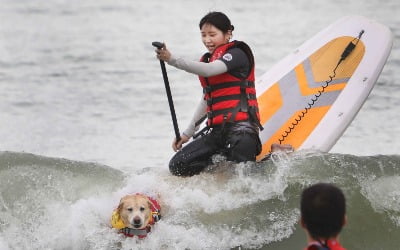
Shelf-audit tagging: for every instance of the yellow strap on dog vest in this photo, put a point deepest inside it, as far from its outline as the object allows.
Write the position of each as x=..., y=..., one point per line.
x=116, y=221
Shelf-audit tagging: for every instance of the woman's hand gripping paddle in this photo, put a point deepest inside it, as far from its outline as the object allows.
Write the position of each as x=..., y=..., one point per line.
x=159, y=45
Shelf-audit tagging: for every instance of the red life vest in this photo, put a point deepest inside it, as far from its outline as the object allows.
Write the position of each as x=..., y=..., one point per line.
x=230, y=98
x=329, y=245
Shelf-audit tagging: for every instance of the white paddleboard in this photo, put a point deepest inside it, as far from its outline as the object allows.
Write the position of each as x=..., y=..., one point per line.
x=304, y=103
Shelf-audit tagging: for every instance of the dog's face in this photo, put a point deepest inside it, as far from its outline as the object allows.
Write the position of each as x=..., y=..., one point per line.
x=135, y=211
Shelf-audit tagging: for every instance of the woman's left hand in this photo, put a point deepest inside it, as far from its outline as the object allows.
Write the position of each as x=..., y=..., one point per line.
x=163, y=53
x=177, y=145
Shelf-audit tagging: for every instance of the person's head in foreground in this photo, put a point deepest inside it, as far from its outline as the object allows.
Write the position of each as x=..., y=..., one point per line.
x=323, y=214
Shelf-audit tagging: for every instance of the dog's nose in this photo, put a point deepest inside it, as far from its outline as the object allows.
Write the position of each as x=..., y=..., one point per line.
x=137, y=222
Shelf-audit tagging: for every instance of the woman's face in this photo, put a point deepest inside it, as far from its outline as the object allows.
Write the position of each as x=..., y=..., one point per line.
x=212, y=37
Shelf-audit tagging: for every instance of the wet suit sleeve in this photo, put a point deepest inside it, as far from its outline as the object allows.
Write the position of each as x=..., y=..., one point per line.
x=236, y=61
x=199, y=68
x=198, y=114
x=233, y=60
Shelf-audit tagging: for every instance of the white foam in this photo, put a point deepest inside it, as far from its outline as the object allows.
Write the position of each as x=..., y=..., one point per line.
x=383, y=193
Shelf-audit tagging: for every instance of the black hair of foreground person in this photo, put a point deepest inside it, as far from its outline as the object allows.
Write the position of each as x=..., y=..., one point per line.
x=323, y=215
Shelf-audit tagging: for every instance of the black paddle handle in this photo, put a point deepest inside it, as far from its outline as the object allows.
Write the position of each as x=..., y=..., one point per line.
x=159, y=45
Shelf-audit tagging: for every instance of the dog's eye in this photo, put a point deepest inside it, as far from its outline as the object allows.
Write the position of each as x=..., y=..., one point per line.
x=142, y=209
x=130, y=209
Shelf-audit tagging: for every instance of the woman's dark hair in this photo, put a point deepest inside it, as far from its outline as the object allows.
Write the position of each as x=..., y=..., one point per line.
x=219, y=20
x=323, y=208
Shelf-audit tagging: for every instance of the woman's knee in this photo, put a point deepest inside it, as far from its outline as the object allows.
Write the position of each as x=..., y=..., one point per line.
x=192, y=159
x=184, y=165
x=186, y=169
x=176, y=165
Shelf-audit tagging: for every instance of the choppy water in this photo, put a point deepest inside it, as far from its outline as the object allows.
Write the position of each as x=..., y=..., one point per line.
x=84, y=120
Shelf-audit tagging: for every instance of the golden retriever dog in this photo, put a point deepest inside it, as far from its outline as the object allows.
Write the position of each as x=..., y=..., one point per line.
x=135, y=215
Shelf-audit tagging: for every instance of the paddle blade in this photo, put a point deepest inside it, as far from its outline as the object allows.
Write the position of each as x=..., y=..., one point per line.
x=158, y=45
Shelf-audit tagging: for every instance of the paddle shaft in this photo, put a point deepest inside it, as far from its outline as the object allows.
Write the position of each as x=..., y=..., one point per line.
x=169, y=95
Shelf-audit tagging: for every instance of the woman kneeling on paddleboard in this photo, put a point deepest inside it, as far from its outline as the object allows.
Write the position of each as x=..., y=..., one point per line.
x=229, y=101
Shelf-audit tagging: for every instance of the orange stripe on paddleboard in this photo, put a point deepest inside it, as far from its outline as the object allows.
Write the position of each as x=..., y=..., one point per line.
x=300, y=132
x=269, y=103
x=304, y=87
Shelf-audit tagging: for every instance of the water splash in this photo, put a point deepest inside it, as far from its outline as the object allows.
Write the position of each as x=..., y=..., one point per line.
x=49, y=203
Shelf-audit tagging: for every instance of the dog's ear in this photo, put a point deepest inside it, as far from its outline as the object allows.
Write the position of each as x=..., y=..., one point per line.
x=150, y=206
x=120, y=205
